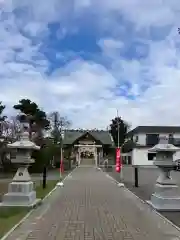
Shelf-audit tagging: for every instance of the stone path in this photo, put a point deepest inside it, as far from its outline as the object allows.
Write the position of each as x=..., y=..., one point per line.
x=92, y=207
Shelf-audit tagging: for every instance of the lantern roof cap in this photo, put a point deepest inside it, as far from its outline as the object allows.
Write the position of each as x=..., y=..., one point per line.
x=164, y=146
x=23, y=143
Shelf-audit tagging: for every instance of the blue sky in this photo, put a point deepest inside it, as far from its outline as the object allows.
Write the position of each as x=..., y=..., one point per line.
x=87, y=58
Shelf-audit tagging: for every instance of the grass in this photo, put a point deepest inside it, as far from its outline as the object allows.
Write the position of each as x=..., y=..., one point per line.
x=41, y=193
x=3, y=188
x=11, y=216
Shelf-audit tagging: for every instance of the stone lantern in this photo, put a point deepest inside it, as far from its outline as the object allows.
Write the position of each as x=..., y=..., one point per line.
x=166, y=196
x=21, y=190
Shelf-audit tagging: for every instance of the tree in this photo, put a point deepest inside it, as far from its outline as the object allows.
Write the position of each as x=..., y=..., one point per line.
x=14, y=128
x=123, y=126
x=38, y=122
x=2, y=118
x=37, y=118
x=4, y=134
x=30, y=109
x=41, y=123
x=58, y=123
x=27, y=107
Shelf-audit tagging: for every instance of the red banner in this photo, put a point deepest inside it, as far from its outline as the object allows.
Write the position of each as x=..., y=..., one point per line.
x=118, y=169
x=118, y=160
x=61, y=166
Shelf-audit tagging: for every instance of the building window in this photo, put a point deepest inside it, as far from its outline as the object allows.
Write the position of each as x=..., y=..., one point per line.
x=152, y=139
x=129, y=160
x=171, y=138
x=151, y=156
x=135, y=138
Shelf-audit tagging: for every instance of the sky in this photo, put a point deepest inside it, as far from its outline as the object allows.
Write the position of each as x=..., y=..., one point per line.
x=88, y=58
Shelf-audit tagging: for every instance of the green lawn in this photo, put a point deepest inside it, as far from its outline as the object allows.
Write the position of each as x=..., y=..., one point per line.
x=10, y=217
x=41, y=193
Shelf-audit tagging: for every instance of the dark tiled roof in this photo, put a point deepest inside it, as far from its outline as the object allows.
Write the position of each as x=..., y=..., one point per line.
x=70, y=136
x=155, y=129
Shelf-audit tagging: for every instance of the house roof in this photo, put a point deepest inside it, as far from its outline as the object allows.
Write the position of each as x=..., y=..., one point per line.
x=154, y=129
x=70, y=136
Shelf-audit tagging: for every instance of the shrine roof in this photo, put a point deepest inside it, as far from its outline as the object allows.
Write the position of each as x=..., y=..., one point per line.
x=70, y=136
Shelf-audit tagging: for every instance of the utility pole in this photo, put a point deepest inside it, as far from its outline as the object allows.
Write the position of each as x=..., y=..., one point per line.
x=55, y=127
x=61, y=153
x=61, y=161
x=62, y=136
x=55, y=123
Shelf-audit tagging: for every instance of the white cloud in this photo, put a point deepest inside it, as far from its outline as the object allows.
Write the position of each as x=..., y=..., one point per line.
x=36, y=29
x=143, y=13
x=111, y=47
x=82, y=90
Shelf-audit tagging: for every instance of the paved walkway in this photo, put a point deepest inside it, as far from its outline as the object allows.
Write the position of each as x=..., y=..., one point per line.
x=92, y=207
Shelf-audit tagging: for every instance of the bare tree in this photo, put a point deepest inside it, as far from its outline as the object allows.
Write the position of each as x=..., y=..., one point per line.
x=15, y=127
x=2, y=119
x=58, y=124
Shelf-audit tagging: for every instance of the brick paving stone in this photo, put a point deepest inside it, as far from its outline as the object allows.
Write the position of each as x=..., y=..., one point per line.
x=92, y=207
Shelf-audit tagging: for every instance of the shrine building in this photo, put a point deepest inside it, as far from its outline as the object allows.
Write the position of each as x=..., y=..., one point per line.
x=88, y=146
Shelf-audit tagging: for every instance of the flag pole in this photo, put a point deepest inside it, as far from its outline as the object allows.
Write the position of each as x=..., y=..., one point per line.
x=121, y=172
x=118, y=129
x=60, y=183
x=61, y=161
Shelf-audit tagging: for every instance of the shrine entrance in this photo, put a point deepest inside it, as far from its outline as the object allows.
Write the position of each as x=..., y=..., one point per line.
x=87, y=154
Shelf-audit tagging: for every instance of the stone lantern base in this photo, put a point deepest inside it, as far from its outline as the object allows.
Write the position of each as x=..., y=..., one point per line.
x=20, y=191
x=166, y=197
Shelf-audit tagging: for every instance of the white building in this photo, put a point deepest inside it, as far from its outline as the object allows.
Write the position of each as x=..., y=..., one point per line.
x=142, y=138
